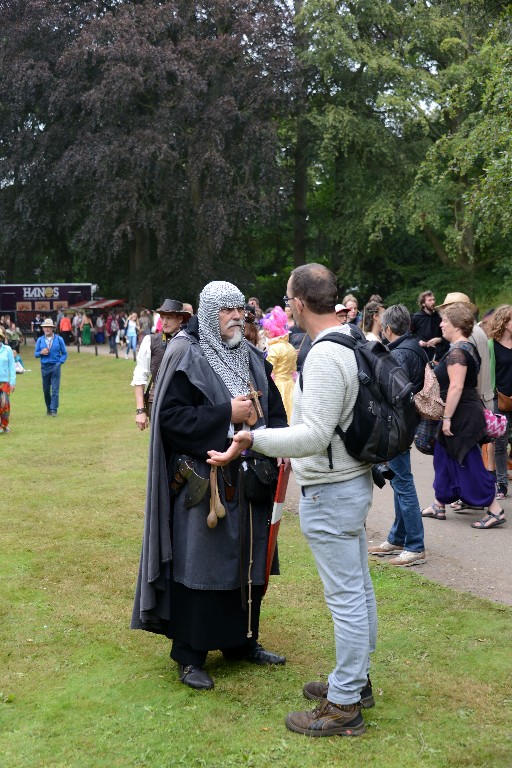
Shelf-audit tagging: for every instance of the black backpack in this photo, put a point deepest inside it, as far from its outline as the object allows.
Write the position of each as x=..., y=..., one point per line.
x=385, y=418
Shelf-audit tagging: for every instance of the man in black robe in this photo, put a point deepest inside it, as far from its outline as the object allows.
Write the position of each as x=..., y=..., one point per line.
x=426, y=327
x=204, y=587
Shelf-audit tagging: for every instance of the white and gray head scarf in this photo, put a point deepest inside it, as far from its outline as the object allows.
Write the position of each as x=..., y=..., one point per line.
x=232, y=365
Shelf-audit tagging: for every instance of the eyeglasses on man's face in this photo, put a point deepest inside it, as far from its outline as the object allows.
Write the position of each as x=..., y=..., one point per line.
x=287, y=300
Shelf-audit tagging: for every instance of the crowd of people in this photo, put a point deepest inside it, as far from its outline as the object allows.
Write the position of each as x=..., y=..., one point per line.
x=219, y=391
x=226, y=414
x=117, y=327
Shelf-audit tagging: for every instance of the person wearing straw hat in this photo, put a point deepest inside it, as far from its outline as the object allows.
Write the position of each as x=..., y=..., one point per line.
x=7, y=381
x=51, y=350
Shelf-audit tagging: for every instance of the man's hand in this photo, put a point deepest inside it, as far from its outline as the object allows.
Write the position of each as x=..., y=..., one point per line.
x=141, y=420
x=241, y=441
x=241, y=409
x=45, y=351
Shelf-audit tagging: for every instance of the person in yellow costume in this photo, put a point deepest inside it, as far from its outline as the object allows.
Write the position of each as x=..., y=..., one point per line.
x=281, y=355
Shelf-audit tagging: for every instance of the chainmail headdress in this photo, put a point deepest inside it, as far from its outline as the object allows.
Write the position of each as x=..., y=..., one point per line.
x=232, y=365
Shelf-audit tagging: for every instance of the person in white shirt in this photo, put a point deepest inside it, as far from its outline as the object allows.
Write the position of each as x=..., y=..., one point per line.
x=151, y=352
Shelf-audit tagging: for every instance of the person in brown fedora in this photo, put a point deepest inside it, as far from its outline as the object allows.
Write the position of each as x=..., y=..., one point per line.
x=173, y=315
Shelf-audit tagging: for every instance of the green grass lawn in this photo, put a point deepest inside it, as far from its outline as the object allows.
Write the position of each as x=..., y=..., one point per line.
x=79, y=688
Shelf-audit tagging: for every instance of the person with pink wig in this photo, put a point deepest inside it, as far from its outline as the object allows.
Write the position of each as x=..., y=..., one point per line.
x=281, y=355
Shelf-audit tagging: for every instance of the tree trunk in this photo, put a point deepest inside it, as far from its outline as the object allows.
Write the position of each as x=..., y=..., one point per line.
x=202, y=250
x=140, y=283
x=300, y=192
x=300, y=182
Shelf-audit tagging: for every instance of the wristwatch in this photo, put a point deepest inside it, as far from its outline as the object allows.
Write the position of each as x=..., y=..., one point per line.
x=140, y=410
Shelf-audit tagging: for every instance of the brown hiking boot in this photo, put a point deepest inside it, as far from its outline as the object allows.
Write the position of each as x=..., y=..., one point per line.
x=317, y=691
x=328, y=719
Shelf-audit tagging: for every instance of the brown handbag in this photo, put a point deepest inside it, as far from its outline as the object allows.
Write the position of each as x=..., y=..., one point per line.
x=504, y=403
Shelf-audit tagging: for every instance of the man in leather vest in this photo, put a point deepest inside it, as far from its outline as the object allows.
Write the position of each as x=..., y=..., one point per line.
x=151, y=352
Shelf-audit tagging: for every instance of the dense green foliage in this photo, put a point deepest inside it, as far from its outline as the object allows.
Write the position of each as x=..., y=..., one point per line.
x=150, y=146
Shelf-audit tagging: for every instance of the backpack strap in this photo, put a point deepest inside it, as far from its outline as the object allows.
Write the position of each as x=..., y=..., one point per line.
x=344, y=339
x=414, y=347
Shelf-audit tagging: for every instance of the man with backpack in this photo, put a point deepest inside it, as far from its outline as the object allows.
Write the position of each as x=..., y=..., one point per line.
x=336, y=495
x=405, y=543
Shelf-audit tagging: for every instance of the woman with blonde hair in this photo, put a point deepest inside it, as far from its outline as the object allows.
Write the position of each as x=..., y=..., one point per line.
x=132, y=329
x=500, y=353
x=281, y=355
x=350, y=302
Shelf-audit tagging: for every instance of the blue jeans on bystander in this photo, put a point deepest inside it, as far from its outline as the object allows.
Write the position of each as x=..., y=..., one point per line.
x=51, y=385
x=407, y=529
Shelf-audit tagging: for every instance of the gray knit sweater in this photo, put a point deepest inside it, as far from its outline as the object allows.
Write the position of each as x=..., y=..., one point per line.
x=330, y=388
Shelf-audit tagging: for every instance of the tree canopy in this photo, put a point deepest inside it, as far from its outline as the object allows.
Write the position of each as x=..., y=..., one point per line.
x=152, y=146
x=145, y=130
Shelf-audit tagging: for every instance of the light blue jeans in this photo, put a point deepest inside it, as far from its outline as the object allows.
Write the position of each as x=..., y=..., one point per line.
x=407, y=529
x=131, y=343
x=332, y=518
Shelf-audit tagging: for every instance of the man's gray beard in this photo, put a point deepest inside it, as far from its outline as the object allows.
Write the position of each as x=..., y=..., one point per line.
x=235, y=340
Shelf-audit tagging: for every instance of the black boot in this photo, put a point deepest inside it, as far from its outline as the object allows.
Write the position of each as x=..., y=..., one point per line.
x=195, y=677
x=258, y=655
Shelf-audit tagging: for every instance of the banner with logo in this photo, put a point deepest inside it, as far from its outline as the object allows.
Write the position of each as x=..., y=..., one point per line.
x=42, y=297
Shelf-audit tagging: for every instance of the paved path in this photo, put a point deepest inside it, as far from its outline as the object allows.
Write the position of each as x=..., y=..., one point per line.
x=458, y=556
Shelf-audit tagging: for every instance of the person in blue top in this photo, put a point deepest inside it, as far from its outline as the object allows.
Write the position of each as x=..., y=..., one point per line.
x=7, y=381
x=51, y=350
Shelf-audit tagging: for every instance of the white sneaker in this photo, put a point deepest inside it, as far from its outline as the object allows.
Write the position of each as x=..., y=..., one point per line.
x=407, y=558
x=385, y=549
